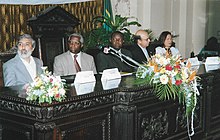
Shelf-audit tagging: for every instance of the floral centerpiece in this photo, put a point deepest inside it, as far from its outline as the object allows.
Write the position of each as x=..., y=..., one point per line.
x=46, y=88
x=171, y=78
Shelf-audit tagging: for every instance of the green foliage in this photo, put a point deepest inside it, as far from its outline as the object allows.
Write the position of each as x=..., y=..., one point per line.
x=100, y=35
x=166, y=92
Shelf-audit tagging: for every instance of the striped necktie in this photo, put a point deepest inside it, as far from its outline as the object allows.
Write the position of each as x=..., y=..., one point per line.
x=76, y=64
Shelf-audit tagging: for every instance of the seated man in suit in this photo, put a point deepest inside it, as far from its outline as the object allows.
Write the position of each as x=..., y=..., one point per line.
x=139, y=49
x=23, y=68
x=74, y=60
x=108, y=60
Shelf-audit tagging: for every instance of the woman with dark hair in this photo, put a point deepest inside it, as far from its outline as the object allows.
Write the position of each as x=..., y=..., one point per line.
x=166, y=45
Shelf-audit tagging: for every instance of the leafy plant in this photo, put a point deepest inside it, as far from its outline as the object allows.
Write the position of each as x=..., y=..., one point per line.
x=105, y=25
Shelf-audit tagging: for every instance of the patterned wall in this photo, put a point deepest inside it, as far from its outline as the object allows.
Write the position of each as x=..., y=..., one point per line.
x=13, y=19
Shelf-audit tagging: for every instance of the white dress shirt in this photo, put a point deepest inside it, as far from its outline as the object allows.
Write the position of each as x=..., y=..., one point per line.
x=78, y=58
x=162, y=51
x=145, y=53
x=31, y=67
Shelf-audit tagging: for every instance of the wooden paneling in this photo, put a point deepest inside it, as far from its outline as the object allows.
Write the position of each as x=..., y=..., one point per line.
x=13, y=19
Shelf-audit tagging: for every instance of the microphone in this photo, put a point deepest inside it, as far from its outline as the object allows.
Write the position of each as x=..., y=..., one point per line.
x=108, y=49
x=111, y=50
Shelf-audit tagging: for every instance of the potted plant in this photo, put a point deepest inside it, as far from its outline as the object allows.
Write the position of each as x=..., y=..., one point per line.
x=105, y=25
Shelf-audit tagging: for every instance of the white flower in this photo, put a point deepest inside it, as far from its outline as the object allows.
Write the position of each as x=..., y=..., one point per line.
x=62, y=92
x=50, y=92
x=164, y=79
x=45, y=88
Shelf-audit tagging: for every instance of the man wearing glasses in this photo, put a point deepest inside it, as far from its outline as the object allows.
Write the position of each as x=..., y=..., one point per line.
x=23, y=68
x=139, y=51
x=74, y=60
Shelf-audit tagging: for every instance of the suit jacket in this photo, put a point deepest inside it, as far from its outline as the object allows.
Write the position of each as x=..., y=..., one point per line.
x=64, y=65
x=138, y=54
x=15, y=73
x=107, y=61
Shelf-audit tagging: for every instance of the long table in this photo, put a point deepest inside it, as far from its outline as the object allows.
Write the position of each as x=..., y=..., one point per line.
x=129, y=112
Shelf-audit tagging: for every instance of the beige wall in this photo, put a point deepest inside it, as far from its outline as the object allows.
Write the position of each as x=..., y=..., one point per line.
x=186, y=18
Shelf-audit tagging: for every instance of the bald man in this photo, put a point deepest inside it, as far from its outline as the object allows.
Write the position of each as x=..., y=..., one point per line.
x=139, y=49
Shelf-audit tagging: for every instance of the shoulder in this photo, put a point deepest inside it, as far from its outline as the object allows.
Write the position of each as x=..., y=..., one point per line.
x=63, y=55
x=159, y=47
x=101, y=54
x=125, y=51
x=174, y=49
x=86, y=55
x=135, y=47
x=12, y=61
x=36, y=59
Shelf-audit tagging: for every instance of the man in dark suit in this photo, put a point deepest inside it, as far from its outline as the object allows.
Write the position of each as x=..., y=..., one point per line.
x=139, y=50
x=23, y=68
x=107, y=61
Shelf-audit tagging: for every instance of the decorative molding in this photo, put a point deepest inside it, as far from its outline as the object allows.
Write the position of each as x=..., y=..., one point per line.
x=154, y=126
x=45, y=127
x=123, y=108
x=82, y=127
x=181, y=122
x=83, y=104
x=46, y=112
x=17, y=107
x=125, y=97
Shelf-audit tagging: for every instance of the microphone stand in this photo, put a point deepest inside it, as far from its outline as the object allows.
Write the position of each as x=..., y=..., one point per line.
x=121, y=55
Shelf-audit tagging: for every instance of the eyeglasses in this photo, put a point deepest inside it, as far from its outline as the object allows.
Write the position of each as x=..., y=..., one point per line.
x=145, y=39
x=74, y=43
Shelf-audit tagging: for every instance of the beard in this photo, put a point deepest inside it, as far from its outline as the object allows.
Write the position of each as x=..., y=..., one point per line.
x=24, y=53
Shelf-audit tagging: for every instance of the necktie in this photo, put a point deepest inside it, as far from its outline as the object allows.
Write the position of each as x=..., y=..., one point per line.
x=76, y=64
x=147, y=56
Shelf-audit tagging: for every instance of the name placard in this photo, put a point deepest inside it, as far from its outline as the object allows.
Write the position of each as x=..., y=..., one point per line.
x=212, y=63
x=212, y=60
x=84, y=82
x=194, y=61
x=111, y=78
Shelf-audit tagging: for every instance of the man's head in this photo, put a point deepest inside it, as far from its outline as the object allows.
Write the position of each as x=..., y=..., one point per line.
x=26, y=45
x=75, y=42
x=142, y=38
x=117, y=39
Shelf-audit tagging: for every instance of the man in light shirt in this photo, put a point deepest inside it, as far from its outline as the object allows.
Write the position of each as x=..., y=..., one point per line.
x=74, y=60
x=23, y=68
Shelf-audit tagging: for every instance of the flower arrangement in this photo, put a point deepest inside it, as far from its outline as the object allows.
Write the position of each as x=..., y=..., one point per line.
x=46, y=88
x=171, y=79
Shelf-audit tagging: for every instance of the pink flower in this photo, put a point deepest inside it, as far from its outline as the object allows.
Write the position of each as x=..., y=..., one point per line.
x=51, y=80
